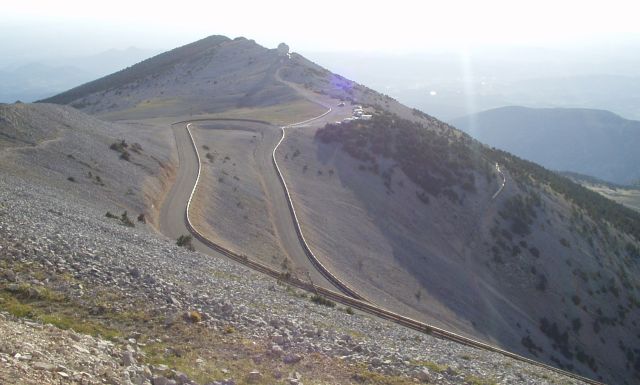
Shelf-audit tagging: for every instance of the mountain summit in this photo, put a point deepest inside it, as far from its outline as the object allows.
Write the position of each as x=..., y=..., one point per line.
x=216, y=74
x=209, y=75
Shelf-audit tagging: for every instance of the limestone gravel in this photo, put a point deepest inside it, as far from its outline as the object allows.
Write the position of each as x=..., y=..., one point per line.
x=42, y=227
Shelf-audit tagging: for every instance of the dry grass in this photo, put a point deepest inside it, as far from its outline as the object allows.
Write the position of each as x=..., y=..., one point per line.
x=279, y=115
x=182, y=343
x=50, y=307
x=627, y=197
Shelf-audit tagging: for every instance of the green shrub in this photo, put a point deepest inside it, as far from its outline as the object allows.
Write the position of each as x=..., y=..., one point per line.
x=438, y=161
x=185, y=241
x=121, y=147
x=124, y=218
x=595, y=205
x=534, y=251
x=320, y=300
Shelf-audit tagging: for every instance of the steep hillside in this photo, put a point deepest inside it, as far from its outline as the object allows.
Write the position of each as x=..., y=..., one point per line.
x=159, y=314
x=547, y=268
x=593, y=142
x=128, y=166
x=210, y=75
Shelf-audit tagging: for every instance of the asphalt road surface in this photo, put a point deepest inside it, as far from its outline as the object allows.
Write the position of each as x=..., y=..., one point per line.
x=172, y=214
x=173, y=211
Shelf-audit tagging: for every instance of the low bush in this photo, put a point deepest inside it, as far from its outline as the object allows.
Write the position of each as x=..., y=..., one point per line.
x=124, y=218
x=320, y=300
x=185, y=241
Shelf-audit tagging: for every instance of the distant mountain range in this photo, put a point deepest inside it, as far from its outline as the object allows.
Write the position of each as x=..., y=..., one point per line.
x=592, y=142
x=451, y=85
x=40, y=79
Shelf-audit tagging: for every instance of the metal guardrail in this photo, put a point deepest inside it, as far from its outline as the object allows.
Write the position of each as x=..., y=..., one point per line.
x=504, y=182
x=343, y=287
x=347, y=300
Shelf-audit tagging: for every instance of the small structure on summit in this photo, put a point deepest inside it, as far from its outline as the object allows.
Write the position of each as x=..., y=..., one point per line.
x=283, y=49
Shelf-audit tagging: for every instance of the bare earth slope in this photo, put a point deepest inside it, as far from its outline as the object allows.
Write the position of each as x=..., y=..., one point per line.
x=63, y=147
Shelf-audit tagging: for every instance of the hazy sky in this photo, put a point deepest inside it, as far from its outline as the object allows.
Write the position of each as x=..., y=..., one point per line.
x=29, y=28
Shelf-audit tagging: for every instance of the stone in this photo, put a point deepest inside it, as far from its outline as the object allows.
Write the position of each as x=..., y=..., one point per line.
x=135, y=272
x=292, y=358
x=295, y=378
x=181, y=378
x=149, y=280
x=43, y=366
x=23, y=357
x=275, y=323
x=138, y=379
x=227, y=308
x=254, y=377
x=12, y=288
x=257, y=360
x=424, y=375
x=161, y=380
x=159, y=368
x=10, y=275
x=276, y=350
x=128, y=359
x=278, y=339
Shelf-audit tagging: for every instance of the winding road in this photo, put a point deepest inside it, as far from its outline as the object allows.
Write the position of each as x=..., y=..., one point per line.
x=175, y=221
x=176, y=211
x=504, y=182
